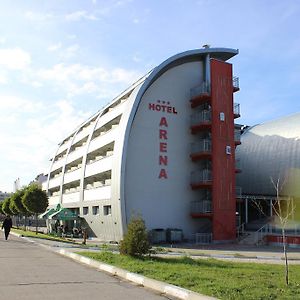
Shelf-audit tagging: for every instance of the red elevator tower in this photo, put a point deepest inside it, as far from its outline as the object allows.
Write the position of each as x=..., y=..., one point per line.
x=214, y=153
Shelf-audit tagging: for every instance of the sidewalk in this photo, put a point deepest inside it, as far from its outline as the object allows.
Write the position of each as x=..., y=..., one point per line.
x=152, y=289
x=30, y=272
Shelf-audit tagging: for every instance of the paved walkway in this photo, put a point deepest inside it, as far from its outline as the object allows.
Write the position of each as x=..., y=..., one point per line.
x=30, y=272
x=25, y=264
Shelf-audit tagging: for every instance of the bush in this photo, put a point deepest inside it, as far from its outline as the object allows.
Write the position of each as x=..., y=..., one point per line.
x=135, y=242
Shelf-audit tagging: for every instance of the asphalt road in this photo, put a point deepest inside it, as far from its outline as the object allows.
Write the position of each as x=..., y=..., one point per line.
x=29, y=271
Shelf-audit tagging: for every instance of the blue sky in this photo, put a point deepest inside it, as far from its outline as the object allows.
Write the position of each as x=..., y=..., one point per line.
x=62, y=60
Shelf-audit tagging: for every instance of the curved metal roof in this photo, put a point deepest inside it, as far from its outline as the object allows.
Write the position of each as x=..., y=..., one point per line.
x=269, y=150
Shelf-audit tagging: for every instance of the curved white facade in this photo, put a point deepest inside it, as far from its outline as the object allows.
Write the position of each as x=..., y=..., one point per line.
x=133, y=156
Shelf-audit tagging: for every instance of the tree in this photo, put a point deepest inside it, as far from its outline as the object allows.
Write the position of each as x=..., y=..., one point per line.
x=35, y=200
x=135, y=242
x=1, y=211
x=6, y=206
x=12, y=207
x=16, y=198
x=283, y=209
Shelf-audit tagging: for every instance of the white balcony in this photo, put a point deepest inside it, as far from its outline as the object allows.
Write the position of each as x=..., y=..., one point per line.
x=63, y=147
x=72, y=176
x=71, y=197
x=110, y=115
x=100, y=193
x=99, y=166
x=59, y=163
x=53, y=200
x=102, y=140
x=54, y=182
x=76, y=154
x=80, y=135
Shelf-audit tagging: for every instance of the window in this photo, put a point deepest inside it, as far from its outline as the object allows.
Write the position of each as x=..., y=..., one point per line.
x=107, y=210
x=85, y=210
x=95, y=210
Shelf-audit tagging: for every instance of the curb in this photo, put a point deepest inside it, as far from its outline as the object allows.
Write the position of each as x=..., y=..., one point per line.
x=159, y=286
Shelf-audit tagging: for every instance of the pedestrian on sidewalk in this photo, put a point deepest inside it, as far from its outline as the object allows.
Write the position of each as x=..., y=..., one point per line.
x=7, y=225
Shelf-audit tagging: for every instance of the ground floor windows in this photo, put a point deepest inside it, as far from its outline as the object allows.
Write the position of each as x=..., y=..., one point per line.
x=85, y=210
x=95, y=210
x=107, y=210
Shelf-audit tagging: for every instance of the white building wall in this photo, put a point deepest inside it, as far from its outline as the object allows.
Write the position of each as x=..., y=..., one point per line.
x=163, y=203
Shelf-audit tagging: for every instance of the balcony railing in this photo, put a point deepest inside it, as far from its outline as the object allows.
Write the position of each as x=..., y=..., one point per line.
x=201, y=146
x=201, y=207
x=237, y=136
x=236, y=110
x=238, y=191
x=236, y=83
x=203, y=116
x=238, y=166
x=203, y=238
x=200, y=90
x=201, y=176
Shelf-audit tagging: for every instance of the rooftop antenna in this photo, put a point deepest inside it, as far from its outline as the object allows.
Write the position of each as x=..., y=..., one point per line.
x=206, y=46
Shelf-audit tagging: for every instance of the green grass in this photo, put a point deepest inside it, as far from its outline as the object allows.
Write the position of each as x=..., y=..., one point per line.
x=32, y=234
x=224, y=280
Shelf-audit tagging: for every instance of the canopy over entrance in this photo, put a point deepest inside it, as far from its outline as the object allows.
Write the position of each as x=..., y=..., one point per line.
x=63, y=214
x=47, y=213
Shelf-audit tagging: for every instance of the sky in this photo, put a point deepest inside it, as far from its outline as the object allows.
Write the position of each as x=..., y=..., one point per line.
x=63, y=60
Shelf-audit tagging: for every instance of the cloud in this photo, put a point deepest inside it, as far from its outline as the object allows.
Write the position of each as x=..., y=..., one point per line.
x=54, y=47
x=3, y=79
x=14, y=59
x=37, y=16
x=80, y=15
x=70, y=51
x=77, y=79
x=32, y=136
x=14, y=104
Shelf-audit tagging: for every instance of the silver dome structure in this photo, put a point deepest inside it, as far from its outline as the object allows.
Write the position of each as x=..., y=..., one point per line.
x=270, y=151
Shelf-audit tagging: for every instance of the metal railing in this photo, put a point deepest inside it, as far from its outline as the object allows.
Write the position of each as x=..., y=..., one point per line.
x=201, y=146
x=240, y=231
x=238, y=191
x=236, y=82
x=203, y=88
x=203, y=238
x=237, y=135
x=200, y=117
x=203, y=206
x=237, y=164
x=201, y=176
x=236, y=109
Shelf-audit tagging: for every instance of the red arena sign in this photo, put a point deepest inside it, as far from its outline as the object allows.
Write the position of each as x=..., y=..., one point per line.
x=165, y=107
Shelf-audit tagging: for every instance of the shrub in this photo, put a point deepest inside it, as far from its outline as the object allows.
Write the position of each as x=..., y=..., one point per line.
x=135, y=242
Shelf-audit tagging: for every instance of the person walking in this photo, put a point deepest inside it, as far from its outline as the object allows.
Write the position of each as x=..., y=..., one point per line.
x=7, y=225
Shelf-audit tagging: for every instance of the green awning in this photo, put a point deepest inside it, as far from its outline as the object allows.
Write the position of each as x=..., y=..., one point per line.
x=47, y=213
x=63, y=214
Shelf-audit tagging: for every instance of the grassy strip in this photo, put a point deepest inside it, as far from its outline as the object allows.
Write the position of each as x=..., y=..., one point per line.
x=32, y=234
x=49, y=237
x=224, y=280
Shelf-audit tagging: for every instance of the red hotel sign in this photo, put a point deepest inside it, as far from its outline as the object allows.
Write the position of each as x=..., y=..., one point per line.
x=163, y=106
